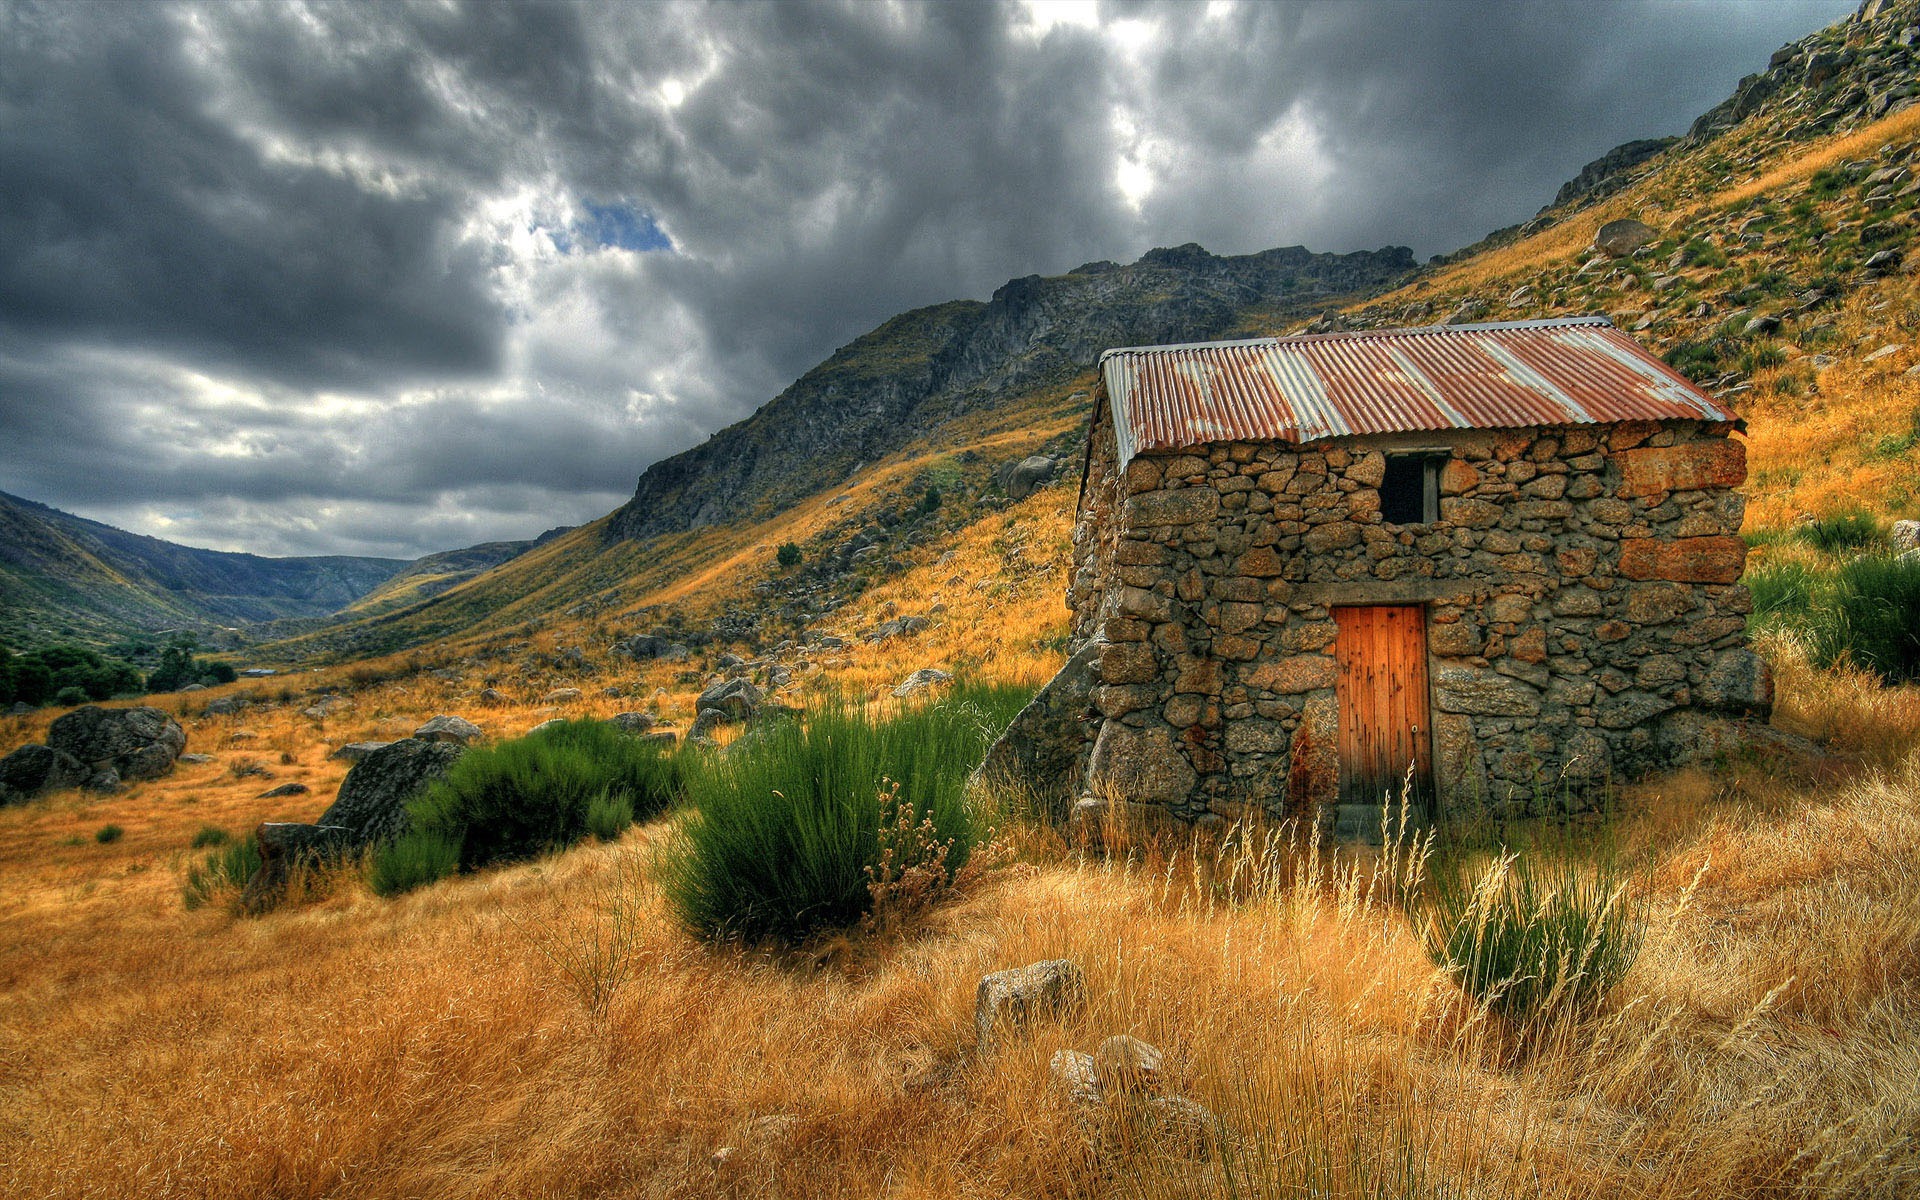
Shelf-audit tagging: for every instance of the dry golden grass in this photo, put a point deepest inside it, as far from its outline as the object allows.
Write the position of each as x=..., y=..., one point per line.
x=1764, y=1044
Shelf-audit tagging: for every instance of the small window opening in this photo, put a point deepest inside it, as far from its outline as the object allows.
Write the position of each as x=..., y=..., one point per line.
x=1410, y=493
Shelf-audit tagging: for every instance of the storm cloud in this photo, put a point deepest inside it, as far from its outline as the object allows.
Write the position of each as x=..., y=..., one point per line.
x=387, y=279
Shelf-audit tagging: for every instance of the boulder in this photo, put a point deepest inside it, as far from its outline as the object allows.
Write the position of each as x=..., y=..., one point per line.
x=226, y=706
x=551, y=723
x=372, y=803
x=444, y=728
x=909, y=626
x=285, y=789
x=709, y=719
x=31, y=770
x=493, y=697
x=633, y=722
x=355, y=751
x=1904, y=535
x=922, y=680
x=194, y=760
x=565, y=695
x=1127, y=1066
x=734, y=699
x=106, y=780
x=1618, y=239
x=283, y=847
x=136, y=743
x=1073, y=1073
x=1021, y=479
x=1023, y=993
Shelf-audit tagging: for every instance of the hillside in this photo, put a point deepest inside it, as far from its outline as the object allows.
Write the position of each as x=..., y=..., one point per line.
x=941, y=396
x=899, y=385
x=65, y=577
x=1777, y=269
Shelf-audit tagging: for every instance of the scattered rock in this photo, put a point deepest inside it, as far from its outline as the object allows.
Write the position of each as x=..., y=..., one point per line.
x=355, y=751
x=195, y=760
x=449, y=729
x=1761, y=326
x=226, y=706
x=922, y=680
x=372, y=803
x=550, y=723
x=285, y=789
x=1905, y=535
x=1883, y=262
x=285, y=845
x=1073, y=1071
x=565, y=695
x=32, y=770
x=1885, y=352
x=136, y=743
x=1128, y=1066
x=1023, y=993
x=1621, y=238
x=734, y=699
x=633, y=722
x=897, y=627
x=493, y=697
x=1021, y=479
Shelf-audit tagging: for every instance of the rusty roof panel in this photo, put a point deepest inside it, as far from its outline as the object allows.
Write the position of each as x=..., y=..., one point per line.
x=1573, y=371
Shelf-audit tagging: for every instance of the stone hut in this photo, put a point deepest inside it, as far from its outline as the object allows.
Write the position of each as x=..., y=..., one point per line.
x=1498, y=563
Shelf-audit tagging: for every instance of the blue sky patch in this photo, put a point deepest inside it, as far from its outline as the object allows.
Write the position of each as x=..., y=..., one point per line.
x=622, y=225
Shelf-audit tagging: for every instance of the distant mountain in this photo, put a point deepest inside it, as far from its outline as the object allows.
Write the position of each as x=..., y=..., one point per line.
x=894, y=386
x=427, y=577
x=65, y=577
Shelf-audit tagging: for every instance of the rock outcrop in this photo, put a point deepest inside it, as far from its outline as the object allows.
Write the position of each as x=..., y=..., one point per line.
x=135, y=743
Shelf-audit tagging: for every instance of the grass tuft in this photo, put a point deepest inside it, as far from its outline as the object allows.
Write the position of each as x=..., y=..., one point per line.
x=786, y=838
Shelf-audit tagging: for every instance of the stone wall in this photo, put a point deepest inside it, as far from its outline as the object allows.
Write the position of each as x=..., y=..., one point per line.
x=1580, y=589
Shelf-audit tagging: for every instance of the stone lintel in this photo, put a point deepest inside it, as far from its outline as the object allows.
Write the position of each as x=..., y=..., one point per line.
x=1396, y=591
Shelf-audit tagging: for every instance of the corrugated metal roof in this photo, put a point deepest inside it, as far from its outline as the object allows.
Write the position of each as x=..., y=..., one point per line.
x=1572, y=371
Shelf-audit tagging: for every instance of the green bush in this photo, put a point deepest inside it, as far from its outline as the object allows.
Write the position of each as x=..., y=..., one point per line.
x=108, y=834
x=1871, y=615
x=70, y=696
x=226, y=868
x=788, y=555
x=1782, y=586
x=1840, y=531
x=1531, y=943
x=413, y=860
x=608, y=816
x=210, y=835
x=522, y=798
x=786, y=836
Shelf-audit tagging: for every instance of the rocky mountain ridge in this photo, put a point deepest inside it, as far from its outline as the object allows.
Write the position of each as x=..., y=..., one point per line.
x=890, y=387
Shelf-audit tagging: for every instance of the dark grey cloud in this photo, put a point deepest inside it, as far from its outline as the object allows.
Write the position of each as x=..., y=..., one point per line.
x=385, y=278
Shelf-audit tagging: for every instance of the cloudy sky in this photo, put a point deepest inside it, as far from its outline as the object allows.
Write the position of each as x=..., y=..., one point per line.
x=392, y=278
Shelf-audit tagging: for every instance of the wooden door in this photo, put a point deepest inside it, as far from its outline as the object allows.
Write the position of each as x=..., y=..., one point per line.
x=1385, y=728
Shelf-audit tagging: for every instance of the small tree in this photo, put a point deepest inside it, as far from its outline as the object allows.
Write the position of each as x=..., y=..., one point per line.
x=788, y=554
x=931, y=500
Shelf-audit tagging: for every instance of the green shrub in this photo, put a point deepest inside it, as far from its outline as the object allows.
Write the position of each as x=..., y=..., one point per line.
x=522, y=798
x=70, y=696
x=786, y=837
x=413, y=860
x=108, y=834
x=210, y=835
x=1782, y=586
x=788, y=555
x=1532, y=943
x=227, y=868
x=608, y=816
x=1871, y=616
x=1840, y=531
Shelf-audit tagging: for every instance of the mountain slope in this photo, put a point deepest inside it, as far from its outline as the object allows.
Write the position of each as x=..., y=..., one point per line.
x=1787, y=204
x=897, y=385
x=63, y=576
x=1779, y=270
